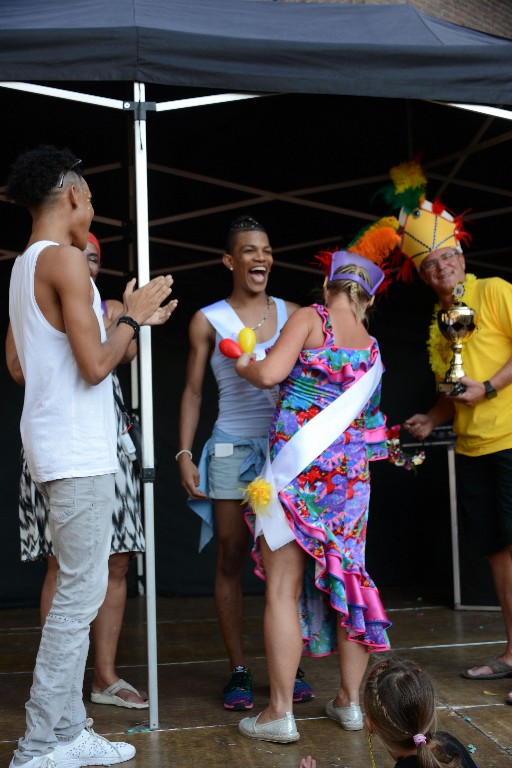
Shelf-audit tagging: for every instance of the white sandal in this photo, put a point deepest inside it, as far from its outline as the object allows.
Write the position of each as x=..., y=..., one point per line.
x=108, y=696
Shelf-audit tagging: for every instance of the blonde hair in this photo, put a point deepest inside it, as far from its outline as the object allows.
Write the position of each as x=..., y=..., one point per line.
x=359, y=298
x=399, y=702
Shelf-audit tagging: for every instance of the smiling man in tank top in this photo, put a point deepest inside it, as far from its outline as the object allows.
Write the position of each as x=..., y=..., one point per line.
x=235, y=453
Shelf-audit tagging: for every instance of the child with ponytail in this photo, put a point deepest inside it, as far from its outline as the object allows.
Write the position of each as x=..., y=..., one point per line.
x=400, y=710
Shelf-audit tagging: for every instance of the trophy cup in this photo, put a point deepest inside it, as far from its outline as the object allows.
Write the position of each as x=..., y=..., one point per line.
x=456, y=324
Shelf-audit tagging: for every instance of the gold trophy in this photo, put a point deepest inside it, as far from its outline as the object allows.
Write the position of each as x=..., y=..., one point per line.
x=456, y=324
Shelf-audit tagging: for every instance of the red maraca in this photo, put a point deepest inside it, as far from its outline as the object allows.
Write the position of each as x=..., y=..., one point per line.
x=246, y=343
x=230, y=348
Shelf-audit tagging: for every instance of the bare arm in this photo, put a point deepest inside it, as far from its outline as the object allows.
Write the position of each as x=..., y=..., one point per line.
x=114, y=310
x=12, y=360
x=159, y=317
x=283, y=355
x=475, y=390
x=67, y=275
x=503, y=377
x=201, y=338
x=421, y=424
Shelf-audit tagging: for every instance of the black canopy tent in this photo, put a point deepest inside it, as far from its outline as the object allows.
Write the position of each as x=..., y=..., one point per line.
x=248, y=46
x=365, y=50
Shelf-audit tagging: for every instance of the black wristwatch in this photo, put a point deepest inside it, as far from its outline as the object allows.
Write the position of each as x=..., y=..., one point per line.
x=490, y=392
x=130, y=321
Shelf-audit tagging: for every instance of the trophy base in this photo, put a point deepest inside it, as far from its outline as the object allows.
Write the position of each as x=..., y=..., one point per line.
x=452, y=388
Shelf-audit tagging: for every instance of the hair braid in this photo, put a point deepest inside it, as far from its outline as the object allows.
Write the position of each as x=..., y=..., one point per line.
x=399, y=703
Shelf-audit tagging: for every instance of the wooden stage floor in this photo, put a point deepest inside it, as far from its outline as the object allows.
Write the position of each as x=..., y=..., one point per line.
x=195, y=730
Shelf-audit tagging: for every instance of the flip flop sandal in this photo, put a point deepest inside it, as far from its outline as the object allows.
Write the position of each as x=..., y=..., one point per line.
x=108, y=696
x=499, y=669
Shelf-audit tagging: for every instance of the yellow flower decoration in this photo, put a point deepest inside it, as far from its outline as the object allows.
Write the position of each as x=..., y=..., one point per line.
x=258, y=493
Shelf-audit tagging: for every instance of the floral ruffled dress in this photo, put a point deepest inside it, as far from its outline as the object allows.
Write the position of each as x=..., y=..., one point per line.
x=327, y=504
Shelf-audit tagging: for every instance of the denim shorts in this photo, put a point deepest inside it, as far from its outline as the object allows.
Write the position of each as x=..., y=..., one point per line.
x=484, y=489
x=224, y=474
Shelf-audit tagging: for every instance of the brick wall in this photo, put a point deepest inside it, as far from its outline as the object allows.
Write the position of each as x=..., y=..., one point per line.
x=491, y=16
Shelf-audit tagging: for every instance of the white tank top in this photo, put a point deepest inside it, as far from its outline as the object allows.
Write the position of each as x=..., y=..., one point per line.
x=244, y=410
x=68, y=427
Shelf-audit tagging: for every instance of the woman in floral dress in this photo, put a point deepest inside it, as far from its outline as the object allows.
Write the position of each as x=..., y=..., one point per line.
x=322, y=352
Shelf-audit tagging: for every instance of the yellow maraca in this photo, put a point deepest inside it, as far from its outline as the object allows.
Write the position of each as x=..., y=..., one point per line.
x=247, y=340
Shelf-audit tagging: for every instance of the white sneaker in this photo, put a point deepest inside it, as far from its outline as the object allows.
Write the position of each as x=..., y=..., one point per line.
x=91, y=749
x=46, y=761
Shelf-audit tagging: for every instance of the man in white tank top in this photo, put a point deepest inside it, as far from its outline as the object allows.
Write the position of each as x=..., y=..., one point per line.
x=58, y=348
x=235, y=453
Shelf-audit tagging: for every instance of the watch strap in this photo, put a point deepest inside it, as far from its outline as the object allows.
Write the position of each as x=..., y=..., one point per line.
x=490, y=392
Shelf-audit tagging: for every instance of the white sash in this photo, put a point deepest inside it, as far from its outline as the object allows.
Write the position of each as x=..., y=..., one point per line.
x=306, y=444
x=224, y=319
x=228, y=325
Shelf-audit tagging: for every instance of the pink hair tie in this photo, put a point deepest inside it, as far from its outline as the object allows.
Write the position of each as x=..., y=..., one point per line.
x=419, y=739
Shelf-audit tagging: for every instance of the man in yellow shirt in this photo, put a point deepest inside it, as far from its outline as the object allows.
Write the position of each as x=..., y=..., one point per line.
x=482, y=412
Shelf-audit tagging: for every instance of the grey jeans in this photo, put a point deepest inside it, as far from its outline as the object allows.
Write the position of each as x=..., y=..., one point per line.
x=80, y=520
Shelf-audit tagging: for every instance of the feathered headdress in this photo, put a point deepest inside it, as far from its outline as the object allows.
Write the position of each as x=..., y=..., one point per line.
x=424, y=226
x=373, y=246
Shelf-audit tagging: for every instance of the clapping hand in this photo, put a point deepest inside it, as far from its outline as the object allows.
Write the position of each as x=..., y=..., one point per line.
x=143, y=303
x=162, y=314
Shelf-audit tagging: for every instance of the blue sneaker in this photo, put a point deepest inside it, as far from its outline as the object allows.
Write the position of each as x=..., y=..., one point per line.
x=238, y=692
x=301, y=690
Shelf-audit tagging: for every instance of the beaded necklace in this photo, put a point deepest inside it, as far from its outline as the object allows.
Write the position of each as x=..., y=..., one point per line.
x=255, y=327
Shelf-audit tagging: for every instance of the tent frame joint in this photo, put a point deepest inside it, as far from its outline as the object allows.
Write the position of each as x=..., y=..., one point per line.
x=147, y=474
x=140, y=108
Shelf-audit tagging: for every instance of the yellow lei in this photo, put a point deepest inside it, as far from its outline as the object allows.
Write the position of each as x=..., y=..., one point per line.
x=439, y=352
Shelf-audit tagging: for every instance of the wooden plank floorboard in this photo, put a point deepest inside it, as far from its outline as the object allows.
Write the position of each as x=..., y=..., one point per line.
x=195, y=730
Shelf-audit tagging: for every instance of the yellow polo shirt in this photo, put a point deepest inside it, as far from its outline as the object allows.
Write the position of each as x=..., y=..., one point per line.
x=487, y=427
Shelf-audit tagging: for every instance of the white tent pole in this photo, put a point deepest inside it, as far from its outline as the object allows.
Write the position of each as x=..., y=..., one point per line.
x=146, y=399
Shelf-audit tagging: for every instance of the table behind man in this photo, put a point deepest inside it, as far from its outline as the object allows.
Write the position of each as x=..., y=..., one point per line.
x=64, y=358
x=431, y=239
